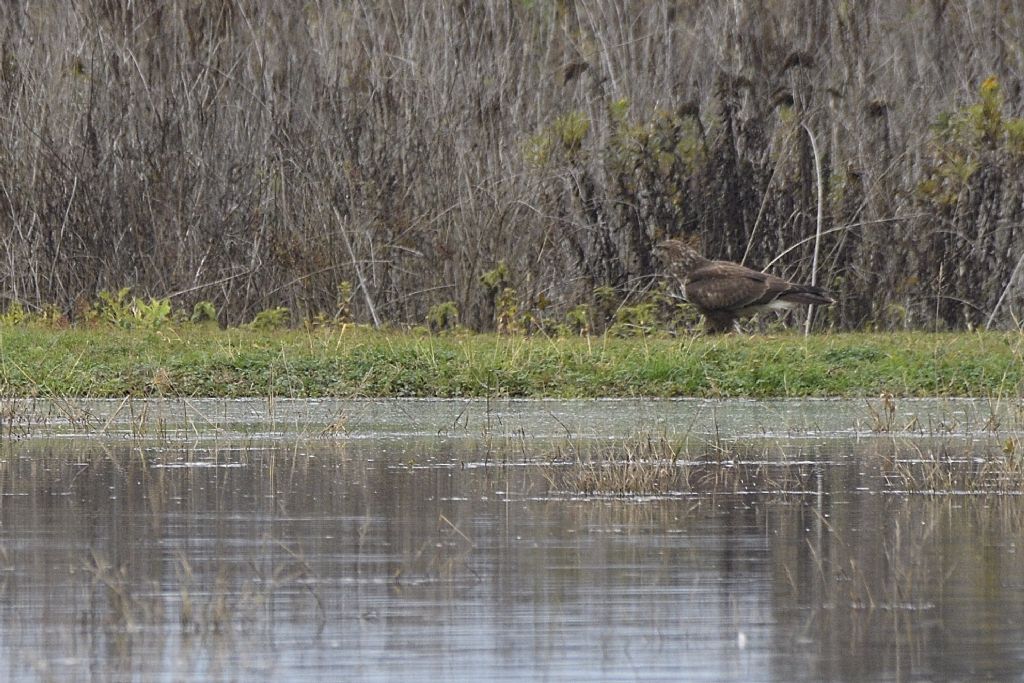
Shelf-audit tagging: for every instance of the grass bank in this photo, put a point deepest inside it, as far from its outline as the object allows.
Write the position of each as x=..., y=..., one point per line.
x=349, y=362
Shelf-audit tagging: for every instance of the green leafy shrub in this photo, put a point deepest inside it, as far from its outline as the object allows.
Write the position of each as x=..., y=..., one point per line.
x=113, y=308
x=345, y=292
x=961, y=139
x=579, y=319
x=496, y=279
x=571, y=129
x=632, y=320
x=271, y=319
x=14, y=315
x=507, y=312
x=122, y=310
x=203, y=313
x=51, y=316
x=443, y=316
x=568, y=130
x=149, y=314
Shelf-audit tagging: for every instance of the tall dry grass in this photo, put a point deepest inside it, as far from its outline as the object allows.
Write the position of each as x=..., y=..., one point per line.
x=261, y=153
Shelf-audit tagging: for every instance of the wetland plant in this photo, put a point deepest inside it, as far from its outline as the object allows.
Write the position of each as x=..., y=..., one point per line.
x=989, y=463
x=224, y=601
x=649, y=466
x=996, y=469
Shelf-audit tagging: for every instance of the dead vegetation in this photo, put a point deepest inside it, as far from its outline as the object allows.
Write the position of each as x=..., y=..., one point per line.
x=509, y=163
x=649, y=466
x=902, y=466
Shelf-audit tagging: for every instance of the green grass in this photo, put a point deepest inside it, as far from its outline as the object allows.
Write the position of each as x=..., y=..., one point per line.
x=193, y=361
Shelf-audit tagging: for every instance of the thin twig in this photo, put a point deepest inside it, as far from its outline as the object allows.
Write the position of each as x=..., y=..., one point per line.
x=817, y=231
x=355, y=265
x=859, y=224
x=1006, y=290
x=764, y=203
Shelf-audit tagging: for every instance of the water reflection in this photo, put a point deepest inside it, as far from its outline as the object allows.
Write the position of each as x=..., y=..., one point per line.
x=440, y=557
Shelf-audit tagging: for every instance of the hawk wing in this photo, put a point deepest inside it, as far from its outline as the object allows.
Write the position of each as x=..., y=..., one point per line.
x=723, y=286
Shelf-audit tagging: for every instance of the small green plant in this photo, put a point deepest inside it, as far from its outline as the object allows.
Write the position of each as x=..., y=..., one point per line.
x=579, y=319
x=271, y=319
x=571, y=129
x=496, y=279
x=984, y=120
x=507, y=312
x=503, y=298
x=606, y=302
x=51, y=316
x=618, y=110
x=1015, y=136
x=113, y=308
x=203, y=313
x=632, y=320
x=537, y=149
x=344, y=311
x=122, y=310
x=14, y=315
x=149, y=314
x=962, y=138
x=443, y=316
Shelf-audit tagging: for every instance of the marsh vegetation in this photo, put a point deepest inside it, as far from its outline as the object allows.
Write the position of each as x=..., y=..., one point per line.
x=510, y=164
x=223, y=198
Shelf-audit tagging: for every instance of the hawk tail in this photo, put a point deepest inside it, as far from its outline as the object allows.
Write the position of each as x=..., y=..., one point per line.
x=808, y=294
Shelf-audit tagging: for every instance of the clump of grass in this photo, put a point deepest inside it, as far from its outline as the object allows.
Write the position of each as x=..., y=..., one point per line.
x=883, y=415
x=231, y=601
x=647, y=466
x=945, y=470
x=15, y=420
x=127, y=610
x=640, y=468
x=930, y=463
x=441, y=557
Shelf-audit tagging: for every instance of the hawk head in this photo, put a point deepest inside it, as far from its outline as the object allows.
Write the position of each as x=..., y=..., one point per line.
x=678, y=258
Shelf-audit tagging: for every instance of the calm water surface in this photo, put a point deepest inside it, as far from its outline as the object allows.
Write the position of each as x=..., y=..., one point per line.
x=402, y=540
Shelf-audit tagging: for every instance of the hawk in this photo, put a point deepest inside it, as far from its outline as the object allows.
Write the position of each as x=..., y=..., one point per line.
x=724, y=291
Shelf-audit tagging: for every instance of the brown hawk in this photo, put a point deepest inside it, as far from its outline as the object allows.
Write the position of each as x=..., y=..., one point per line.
x=724, y=291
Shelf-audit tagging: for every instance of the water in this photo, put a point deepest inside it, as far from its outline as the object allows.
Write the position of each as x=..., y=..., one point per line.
x=443, y=540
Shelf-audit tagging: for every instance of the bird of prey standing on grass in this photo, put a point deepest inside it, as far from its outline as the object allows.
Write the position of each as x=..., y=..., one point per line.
x=724, y=291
